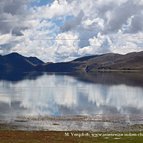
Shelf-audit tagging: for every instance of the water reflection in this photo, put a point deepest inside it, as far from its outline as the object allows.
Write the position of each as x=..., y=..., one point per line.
x=61, y=95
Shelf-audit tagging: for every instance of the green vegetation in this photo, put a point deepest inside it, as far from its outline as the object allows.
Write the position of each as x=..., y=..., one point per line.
x=68, y=137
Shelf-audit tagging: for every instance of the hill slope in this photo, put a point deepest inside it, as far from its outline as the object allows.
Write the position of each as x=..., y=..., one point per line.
x=110, y=61
x=16, y=62
x=131, y=61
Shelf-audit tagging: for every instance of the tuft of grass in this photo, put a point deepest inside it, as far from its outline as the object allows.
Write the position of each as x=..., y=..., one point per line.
x=60, y=137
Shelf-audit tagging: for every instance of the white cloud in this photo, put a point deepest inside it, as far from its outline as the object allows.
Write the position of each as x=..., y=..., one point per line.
x=82, y=27
x=125, y=43
x=51, y=11
x=66, y=45
x=97, y=45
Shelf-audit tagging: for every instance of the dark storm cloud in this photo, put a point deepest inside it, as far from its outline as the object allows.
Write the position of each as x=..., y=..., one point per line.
x=73, y=22
x=96, y=26
x=114, y=14
x=12, y=15
x=137, y=24
x=121, y=14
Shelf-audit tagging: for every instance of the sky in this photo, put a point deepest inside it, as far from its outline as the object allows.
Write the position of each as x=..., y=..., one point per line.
x=63, y=30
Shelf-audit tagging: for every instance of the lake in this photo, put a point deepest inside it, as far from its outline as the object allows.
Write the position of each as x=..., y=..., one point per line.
x=99, y=96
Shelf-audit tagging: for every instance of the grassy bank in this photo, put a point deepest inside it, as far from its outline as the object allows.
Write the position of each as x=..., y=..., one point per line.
x=68, y=137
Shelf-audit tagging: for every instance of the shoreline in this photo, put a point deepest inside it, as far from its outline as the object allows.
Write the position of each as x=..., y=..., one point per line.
x=21, y=131
x=96, y=123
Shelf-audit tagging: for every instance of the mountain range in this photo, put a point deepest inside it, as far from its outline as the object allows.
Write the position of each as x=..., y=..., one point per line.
x=15, y=62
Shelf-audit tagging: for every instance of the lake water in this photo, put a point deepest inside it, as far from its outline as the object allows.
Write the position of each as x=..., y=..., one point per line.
x=62, y=95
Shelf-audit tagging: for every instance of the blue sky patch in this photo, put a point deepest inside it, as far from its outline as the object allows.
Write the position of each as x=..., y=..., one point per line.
x=41, y=2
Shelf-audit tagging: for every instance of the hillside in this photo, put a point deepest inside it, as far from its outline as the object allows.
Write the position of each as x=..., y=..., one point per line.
x=106, y=62
x=131, y=61
x=16, y=62
x=110, y=61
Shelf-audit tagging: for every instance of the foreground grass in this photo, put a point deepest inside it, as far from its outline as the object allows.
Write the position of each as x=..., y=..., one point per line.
x=65, y=137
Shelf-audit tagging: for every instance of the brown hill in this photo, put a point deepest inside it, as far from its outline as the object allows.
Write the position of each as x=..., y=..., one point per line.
x=110, y=61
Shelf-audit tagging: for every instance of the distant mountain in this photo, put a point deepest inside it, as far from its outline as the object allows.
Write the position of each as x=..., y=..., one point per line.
x=131, y=61
x=15, y=62
x=35, y=61
x=82, y=59
x=110, y=61
x=105, y=62
x=58, y=67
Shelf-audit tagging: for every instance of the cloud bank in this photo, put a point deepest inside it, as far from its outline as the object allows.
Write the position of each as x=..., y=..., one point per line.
x=62, y=30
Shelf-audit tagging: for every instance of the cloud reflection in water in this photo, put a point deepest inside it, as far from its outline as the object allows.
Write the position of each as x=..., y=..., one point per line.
x=61, y=95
